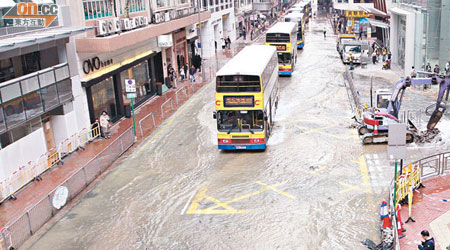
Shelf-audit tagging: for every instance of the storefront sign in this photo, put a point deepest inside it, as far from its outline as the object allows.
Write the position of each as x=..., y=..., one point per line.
x=130, y=85
x=369, y=33
x=93, y=64
x=349, y=23
x=165, y=41
x=350, y=13
x=131, y=95
x=238, y=101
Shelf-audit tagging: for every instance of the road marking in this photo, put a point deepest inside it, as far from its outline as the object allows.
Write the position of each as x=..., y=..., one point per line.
x=364, y=174
x=276, y=190
x=223, y=207
x=349, y=187
x=316, y=172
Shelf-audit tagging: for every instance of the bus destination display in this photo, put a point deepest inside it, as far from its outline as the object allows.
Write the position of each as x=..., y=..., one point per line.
x=238, y=101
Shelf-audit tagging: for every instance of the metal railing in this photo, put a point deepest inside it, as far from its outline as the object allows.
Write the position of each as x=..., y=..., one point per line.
x=178, y=91
x=145, y=117
x=162, y=106
x=348, y=79
x=15, y=233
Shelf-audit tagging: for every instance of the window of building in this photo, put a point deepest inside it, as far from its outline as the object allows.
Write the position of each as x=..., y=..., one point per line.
x=50, y=97
x=104, y=98
x=182, y=1
x=140, y=74
x=136, y=5
x=2, y=120
x=65, y=90
x=97, y=9
x=162, y=3
x=31, y=62
x=6, y=70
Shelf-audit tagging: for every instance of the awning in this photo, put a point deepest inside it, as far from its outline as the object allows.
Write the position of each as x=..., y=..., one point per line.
x=7, y=3
x=351, y=6
x=373, y=11
x=378, y=23
x=25, y=39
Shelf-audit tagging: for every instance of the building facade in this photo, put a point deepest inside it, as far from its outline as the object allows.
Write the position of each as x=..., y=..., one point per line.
x=420, y=33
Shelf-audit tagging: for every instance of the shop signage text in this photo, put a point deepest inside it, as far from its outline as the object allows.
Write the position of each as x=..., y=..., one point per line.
x=165, y=41
x=351, y=13
x=93, y=64
x=130, y=85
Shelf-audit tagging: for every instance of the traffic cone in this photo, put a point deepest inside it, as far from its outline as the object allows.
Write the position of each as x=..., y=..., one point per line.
x=375, y=131
x=400, y=228
x=384, y=215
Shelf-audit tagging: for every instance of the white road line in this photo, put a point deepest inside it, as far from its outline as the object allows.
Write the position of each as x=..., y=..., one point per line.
x=188, y=202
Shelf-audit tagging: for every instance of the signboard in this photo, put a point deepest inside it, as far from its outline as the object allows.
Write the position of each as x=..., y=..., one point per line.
x=60, y=197
x=356, y=13
x=165, y=41
x=26, y=14
x=369, y=33
x=280, y=47
x=131, y=95
x=349, y=23
x=397, y=141
x=238, y=101
x=130, y=86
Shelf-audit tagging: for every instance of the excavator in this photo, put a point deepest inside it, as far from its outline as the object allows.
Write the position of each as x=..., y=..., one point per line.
x=373, y=128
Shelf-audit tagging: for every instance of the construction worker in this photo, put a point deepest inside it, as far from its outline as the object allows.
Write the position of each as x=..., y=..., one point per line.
x=413, y=72
x=384, y=53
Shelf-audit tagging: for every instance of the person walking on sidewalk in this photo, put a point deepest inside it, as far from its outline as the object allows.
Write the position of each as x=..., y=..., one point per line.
x=384, y=53
x=104, y=125
x=324, y=32
x=413, y=72
x=374, y=57
x=192, y=73
x=182, y=74
x=224, y=44
x=186, y=70
x=244, y=32
x=229, y=42
x=428, y=243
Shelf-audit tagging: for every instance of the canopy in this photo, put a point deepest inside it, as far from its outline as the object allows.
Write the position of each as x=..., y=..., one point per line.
x=378, y=23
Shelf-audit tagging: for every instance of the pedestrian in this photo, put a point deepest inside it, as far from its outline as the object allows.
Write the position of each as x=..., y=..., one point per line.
x=389, y=55
x=378, y=53
x=384, y=53
x=224, y=44
x=428, y=67
x=215, y=45
x=105, y=125
x=182, y=74
x=192, y=73
x=350, y=60
x=374, y=57
x=436, y=69
x=229, y=42
x=324, y=32
x=447, y=67
x=413, y=72
x=244, y=32
x=186, y=68
x=339, y=26
x=428, y=243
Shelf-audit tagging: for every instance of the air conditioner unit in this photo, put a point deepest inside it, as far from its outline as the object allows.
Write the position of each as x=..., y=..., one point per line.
x=134, y=23
x=102, y=28
x=110, y=26
x=117, y=27
x=141, y=21
x=167, y=16
x=159, y=17
x=125, y=24
x=144, y=20
x=173, y=14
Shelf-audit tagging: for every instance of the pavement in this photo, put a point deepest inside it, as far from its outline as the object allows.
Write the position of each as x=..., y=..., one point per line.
x=430, y=213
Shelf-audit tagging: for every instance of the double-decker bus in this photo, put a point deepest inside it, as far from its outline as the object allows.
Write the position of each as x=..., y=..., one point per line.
x=246, y=98
x=283, y=36
x=297, y=18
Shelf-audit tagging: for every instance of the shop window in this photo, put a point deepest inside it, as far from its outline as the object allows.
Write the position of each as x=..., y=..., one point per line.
x=14, y=111
x=20, y=132
x=5, y=139
x=103, y=98
x=97, y=9
x=35, y=124
x=33, y=104
x=31, y=62
x=65, y=90
x=49, y=97
x=141, y=76
x=6, y=70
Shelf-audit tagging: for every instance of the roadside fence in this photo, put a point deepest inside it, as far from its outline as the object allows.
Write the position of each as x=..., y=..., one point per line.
x=33, y=169
x=348, y=80
x=15, y=233
x=410, y=180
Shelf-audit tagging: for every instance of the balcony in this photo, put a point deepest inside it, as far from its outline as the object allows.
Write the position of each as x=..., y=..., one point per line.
x=115, y=42
x=31, y=95
x=263, y=6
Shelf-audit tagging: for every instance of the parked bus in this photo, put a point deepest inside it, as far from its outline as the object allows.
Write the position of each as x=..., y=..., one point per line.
x=246, y=98
x=297, y=18
x=284, y=36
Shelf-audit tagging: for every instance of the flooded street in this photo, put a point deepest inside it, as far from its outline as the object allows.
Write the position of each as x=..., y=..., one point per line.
x=315, y=187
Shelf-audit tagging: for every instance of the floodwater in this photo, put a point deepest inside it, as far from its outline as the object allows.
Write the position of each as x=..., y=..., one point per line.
x=315, y=187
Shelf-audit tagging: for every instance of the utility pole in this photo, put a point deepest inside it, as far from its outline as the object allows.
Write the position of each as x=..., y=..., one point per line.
x=199, y=31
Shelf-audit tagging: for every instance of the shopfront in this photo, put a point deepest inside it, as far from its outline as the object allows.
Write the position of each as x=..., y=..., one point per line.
x=181, y=53
x=105, y=82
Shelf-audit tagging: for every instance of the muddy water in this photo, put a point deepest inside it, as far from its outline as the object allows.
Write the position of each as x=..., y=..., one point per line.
x=306, y=191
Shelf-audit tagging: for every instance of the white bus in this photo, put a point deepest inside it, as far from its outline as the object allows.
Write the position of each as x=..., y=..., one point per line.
x=246, y=97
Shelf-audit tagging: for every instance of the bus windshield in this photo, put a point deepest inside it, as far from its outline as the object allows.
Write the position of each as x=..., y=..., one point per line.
x=284, y=58
x=238, y=83
x=277, y=38
x=240, y=121
x=299, y=35
x=353, y=48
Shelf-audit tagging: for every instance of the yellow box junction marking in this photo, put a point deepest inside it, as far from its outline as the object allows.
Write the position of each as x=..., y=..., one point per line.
x=224, y=207
x=365, y=179
x=349, y=187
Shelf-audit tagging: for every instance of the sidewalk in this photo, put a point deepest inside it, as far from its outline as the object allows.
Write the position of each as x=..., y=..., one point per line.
x=430, y=213
x=37, y=190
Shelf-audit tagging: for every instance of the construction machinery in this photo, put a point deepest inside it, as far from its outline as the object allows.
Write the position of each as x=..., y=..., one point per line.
x=375, y=121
